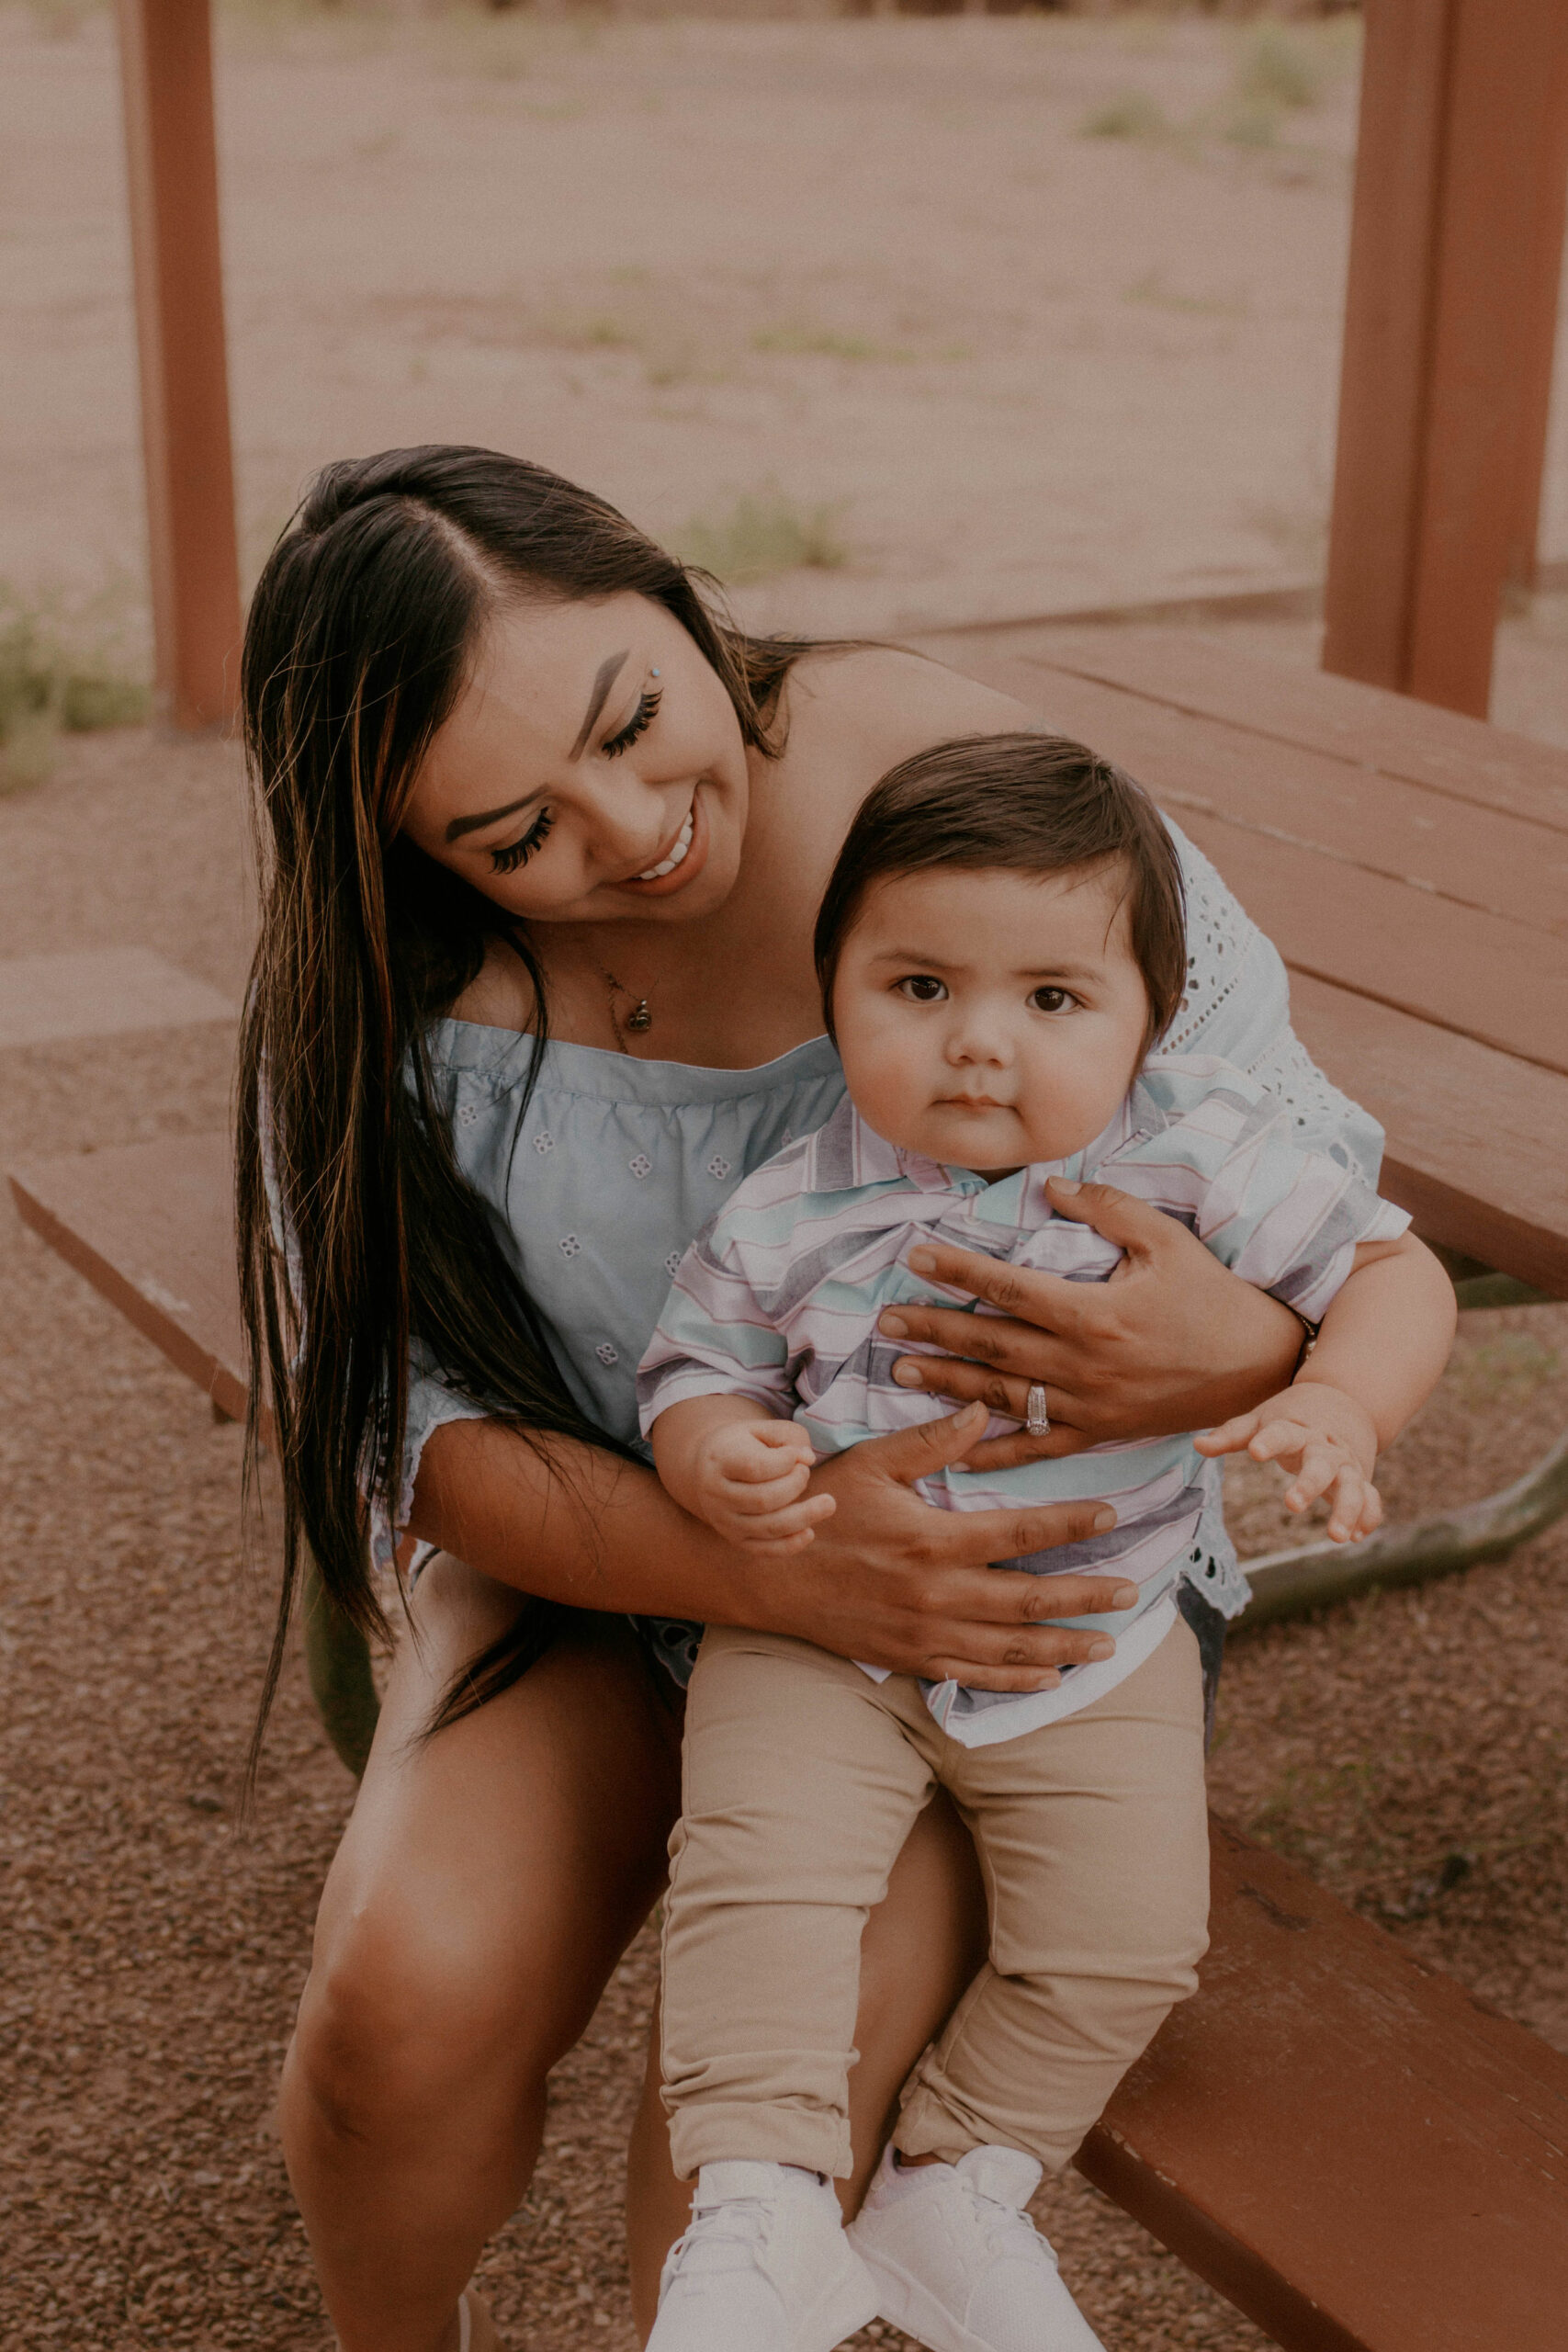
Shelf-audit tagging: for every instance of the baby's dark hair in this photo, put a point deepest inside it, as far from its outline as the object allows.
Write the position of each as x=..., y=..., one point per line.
x=1018, y=804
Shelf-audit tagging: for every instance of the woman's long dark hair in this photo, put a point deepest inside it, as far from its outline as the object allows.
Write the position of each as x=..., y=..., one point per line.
x=358, y=1235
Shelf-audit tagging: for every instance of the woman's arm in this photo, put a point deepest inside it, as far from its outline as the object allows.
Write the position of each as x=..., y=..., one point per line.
x=888, y=1578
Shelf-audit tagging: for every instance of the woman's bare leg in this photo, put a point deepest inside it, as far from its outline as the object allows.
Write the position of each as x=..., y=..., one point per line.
x=921, y=1947
x=485, y=1888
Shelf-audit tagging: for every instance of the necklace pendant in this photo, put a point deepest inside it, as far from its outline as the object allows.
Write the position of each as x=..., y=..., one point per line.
x=639, y=1018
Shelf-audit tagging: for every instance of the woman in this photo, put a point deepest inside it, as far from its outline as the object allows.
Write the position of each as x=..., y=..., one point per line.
x=542, y=840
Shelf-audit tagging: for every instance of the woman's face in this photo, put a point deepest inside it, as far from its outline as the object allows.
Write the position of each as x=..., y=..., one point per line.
x=594, y=770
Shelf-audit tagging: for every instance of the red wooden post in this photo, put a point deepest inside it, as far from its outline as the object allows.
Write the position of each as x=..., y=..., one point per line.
x=1455, y=248
x=166, y=74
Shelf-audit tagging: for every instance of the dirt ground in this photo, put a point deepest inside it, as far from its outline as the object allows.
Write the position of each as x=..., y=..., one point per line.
x=872, y=276
x=875, y=272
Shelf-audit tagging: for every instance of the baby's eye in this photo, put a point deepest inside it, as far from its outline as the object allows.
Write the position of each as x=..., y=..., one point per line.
x=1052, y=1000
x=923, y=988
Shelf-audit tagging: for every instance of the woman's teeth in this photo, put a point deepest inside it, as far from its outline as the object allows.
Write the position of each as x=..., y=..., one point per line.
x=675, y=856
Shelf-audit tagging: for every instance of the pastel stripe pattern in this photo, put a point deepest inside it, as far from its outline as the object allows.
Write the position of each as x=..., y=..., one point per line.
x=777, y=1299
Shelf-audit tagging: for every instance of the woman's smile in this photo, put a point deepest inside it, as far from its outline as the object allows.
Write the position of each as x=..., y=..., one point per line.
x=668, y=865
x=681, y=862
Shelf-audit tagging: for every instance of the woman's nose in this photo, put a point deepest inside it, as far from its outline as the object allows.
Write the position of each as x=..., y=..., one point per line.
x=630, y=825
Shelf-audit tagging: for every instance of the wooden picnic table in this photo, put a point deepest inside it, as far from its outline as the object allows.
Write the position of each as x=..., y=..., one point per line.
x=1344, y=2141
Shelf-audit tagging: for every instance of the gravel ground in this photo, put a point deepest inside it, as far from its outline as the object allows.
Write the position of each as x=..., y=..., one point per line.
x=156, y=1946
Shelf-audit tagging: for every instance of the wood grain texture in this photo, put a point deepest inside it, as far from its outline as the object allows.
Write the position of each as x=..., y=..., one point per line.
x=150, y=1227
x=1486, y=859
x=1477, y=1142
x=1479, y=973
x=172, y=161
x=1346, y=2144
x=1462, y=758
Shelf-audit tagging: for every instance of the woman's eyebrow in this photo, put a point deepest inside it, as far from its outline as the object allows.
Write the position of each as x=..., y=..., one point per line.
x=461, y=825
x=609, y=671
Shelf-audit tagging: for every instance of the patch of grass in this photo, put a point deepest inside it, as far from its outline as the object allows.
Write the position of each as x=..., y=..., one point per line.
x=48, y=688
x=825, y=343
x=762, y=534
x=1252, y=125
x=1152, y=289
x=1133, y=115
x=1276, y=71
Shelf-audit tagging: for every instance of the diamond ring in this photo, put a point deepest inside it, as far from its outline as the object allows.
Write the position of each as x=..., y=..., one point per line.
x=1037, y=1420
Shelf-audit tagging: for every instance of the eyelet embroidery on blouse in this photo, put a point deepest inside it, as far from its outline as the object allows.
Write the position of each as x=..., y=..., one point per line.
x=641, y=1166
x=1221, y=933
x=607, y=1354
x=544, y=1142
x=672, y=1265
x=569, y=1244
x=467, y=1115
x=1287, y=1071
x=718, y=1165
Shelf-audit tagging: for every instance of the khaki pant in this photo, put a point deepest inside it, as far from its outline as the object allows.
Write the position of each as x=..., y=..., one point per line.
x=802, y=1779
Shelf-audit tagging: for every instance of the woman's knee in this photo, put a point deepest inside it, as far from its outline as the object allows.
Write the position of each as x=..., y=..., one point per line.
x=403, y=2015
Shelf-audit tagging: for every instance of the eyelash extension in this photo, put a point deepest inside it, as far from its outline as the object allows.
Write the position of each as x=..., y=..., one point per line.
x=518, y=853
x=637, y=724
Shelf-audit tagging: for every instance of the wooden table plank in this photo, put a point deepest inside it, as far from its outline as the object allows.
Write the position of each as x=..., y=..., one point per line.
x=150, y=1227
x=1477, y=1141
x=1508, y=866
x=1345, y=2143
x=1464, y=758
x=1488, y=860
x=1479, y=974
x=1467, y=972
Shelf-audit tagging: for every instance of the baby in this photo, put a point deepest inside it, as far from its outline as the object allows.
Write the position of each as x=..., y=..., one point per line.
x=1001, y=946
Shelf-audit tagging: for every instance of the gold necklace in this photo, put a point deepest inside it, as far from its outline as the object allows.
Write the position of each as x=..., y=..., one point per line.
x=639, y=1020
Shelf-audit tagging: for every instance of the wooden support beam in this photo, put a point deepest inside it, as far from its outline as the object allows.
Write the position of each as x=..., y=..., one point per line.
x=1456, y=244
x=171, y=158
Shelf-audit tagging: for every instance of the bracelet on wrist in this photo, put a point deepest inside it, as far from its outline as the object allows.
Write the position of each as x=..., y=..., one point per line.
x=1309, y=1341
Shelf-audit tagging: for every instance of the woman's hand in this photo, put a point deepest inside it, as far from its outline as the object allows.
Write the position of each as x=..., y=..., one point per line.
x=893, y=1581
x=1172, y=1342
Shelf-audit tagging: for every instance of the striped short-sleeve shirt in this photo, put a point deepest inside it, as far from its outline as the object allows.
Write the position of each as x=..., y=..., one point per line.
x=778, y=1298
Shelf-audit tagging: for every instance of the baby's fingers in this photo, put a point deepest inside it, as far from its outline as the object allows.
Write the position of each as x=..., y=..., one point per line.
x=1318, y=1467
x=1357, y=1508
x=789, y=1529
x=774, y=1444
x=1230, y=1437
x=1286, y=1443
x=754, y=1501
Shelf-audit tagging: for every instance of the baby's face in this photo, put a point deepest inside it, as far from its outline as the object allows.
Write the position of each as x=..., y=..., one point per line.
x=988, y=1020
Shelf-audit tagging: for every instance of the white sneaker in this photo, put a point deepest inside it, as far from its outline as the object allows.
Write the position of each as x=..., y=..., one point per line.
x=765, y=2267
x=958, y=2262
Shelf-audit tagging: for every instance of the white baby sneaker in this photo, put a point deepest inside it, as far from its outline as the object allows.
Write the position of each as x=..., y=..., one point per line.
x=958, y=2263
x=765, y=2267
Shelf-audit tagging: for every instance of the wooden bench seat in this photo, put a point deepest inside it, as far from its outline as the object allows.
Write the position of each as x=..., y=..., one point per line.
x=1345, y=2143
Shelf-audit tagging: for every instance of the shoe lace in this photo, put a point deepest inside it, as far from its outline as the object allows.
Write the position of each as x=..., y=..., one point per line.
x=1006, y=2229
x=721, y=2238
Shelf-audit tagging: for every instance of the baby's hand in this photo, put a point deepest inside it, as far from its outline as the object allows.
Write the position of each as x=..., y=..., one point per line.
x=1327, y=1443
x=751, y=1477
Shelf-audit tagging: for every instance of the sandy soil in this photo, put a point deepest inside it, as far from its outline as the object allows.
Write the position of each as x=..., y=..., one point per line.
x=873, y=266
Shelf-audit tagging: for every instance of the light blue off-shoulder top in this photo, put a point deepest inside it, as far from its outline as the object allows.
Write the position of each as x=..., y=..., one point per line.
x=617, y=1163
